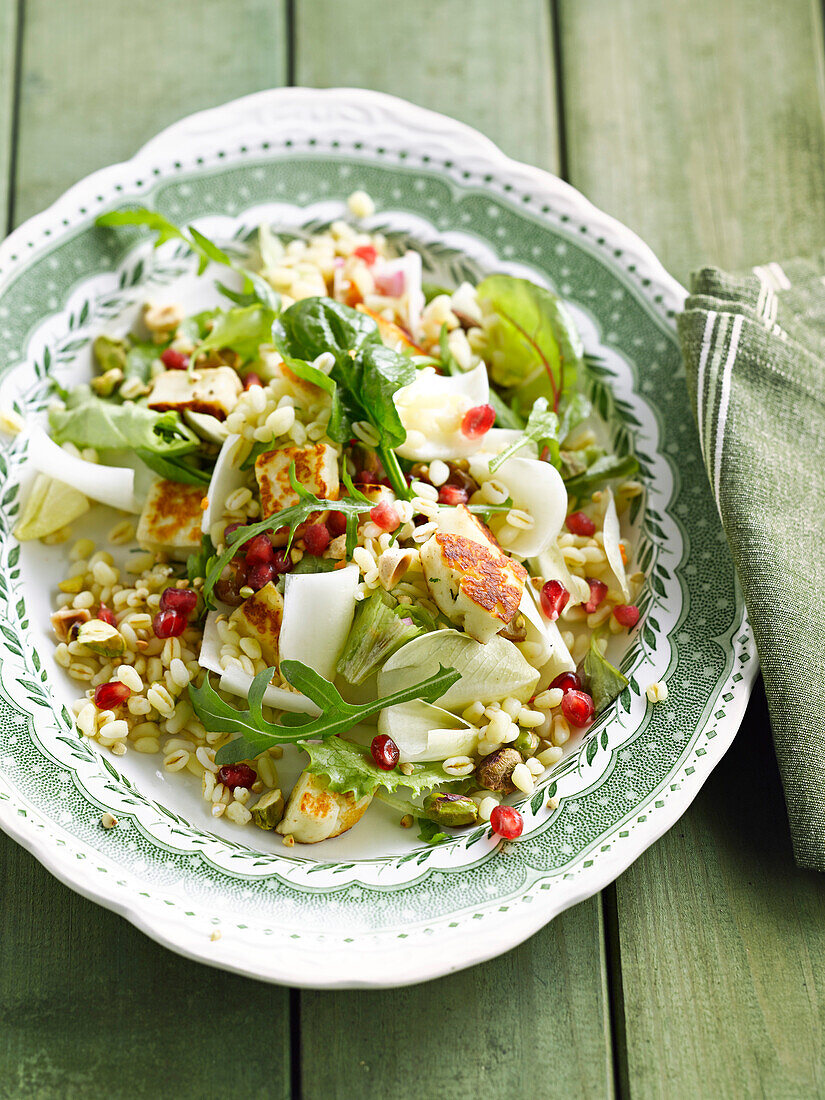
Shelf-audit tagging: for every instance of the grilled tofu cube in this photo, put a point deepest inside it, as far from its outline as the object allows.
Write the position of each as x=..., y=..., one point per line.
x=471, y=580
x=316, y=468
x=260, y=617
x=171, y=518
x=314, y=812
x=213, y=391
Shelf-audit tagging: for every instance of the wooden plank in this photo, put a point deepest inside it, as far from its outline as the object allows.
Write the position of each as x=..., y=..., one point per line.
x=8, y=74
x=89, y=1005
x=700, y=125
x=532, y=1022
x=101, y=78
x=467, y=58
x=538, y=1015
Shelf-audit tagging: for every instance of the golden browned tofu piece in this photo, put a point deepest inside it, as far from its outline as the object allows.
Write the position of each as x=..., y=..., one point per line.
x=260, y=617
x=472, y=581
x=316, y=468
x=171, y=518
x=316, y=813
x=212, y=390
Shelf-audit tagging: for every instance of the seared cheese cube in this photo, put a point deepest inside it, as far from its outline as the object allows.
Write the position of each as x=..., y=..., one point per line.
x=213, y=391
x=260, y=617
x=171, y=518
x=316, y=468
x=316, y=813
x=471, y=580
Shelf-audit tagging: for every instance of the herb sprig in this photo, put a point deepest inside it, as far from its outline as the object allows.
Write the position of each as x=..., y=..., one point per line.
x=337, y=716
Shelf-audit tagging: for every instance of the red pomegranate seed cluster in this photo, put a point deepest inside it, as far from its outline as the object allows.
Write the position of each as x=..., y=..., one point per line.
x=237, y=775
x=452, y=494
x=174, y=360
x=478, y=421
x=336, y=524
x=507, y=822
x=384, y=752
x=316, y=538
x=385, y=516
x=567, y=681
x=554, y=597
x=106, y=615
x=176, y=605
x=598, y=591
x=577, y=707
x=627, y=614
x=580, y=524
x=111, y=695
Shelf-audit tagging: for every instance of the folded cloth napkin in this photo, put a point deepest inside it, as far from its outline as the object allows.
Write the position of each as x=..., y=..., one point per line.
x=754, y=349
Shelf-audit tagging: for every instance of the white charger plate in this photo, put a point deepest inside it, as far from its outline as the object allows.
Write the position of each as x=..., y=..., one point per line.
x=374, y=907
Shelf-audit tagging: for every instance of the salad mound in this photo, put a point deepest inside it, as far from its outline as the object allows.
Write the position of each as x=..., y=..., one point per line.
x=371, y=521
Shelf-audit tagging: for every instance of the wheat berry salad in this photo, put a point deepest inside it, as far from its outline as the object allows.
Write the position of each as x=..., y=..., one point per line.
x=369, y=523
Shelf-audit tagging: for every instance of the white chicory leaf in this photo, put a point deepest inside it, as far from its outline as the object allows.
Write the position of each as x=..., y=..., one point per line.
x=612, y=549
x=426, y=732
x=318, y=611
x=112, y=485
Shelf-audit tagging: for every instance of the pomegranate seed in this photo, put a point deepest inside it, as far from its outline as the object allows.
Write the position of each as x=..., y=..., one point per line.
x=367, y=253
x=111, y=695
x=316, y=538
x=106, y=616
x=252, y=379
x=174, y=360
x=554, y=597
x=567, y=681
x=451, y=494
x=478, y=421
x=336, y=524
x=383, y=515
x=580, y=524
x=598, y=591
x=384, y=752
x=283, y=563
x=627, y=614
x=462, y=480
x=577, y=707
x=260, y=551
x=169, y=624
x=230, y=528
x=507, y=822
x=237, y=775
x=179, y=599
x=260, y=575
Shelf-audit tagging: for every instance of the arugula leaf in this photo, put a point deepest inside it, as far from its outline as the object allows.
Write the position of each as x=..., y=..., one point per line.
x=534, y=346
x=506, y=417
x=206, y=251
x=263, y=294
x=603, y=469
x=174, y=468
x=430, y=832
x=349, y=769
x=198, y=563
x=93, y=422
x=243, y=330
x=542, y=428
x=604, y=682
x=337, y=716
x=448, y=360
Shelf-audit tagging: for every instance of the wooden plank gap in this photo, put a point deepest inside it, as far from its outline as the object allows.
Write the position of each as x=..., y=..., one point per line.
x=11, y=20
x=558, y=70
x=291, y=43
x=295, y=1076
x=614, y=991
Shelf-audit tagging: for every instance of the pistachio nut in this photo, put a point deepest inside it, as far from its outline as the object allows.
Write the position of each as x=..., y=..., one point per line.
x=101, y=637
x=268, y=810
x=451, y=809
x=494, y=771
x=110, y=354
x=526, y=743
x=104, y=385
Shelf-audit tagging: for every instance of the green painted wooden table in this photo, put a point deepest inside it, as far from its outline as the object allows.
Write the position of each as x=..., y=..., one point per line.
x=701, y=972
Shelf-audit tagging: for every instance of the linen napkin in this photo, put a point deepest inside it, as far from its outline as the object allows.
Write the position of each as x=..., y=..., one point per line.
x=754, y=349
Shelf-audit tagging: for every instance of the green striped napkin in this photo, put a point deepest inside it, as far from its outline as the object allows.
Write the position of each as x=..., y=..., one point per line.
x=754, y=348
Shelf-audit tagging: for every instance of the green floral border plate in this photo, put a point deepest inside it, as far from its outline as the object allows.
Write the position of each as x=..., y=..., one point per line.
x=380, y=908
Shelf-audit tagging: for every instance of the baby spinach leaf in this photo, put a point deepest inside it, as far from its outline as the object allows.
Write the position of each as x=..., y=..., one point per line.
x=314, y=325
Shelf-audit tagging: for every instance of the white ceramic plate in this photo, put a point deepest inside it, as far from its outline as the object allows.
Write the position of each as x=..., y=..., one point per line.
x=374, y=907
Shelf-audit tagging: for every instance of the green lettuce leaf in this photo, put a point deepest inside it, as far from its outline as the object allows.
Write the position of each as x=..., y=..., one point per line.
x=243, y=330
x=535, y=349
x=93, y=422
x=349, y=769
